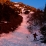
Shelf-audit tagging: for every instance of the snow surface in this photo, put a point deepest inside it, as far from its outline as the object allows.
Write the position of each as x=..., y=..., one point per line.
x=16, y=5
x=21, y=36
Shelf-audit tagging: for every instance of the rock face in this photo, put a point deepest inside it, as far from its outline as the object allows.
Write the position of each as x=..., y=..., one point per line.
x=9, y=18
x=9, y=15
x=3, y=1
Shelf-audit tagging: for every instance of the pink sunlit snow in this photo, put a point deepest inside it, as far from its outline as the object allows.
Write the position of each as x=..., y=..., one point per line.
x=21, y=36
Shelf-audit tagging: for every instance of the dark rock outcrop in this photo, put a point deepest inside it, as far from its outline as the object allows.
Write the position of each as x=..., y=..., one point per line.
x=9, y=18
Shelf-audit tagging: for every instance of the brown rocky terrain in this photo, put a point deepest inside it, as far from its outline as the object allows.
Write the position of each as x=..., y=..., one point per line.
x=9, y=15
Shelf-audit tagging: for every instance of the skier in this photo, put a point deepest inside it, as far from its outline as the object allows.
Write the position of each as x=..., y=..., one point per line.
x=35, y=38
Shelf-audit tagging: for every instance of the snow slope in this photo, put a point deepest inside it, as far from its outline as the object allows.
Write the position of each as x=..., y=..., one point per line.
x=21, y=36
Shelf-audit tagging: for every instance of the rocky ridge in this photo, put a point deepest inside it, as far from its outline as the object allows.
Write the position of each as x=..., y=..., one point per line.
x=9, y=15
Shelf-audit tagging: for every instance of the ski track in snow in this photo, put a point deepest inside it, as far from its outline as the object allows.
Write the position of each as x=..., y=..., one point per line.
x=20, y=37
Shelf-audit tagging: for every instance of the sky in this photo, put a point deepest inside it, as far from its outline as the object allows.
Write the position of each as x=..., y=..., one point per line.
x=34, y=3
